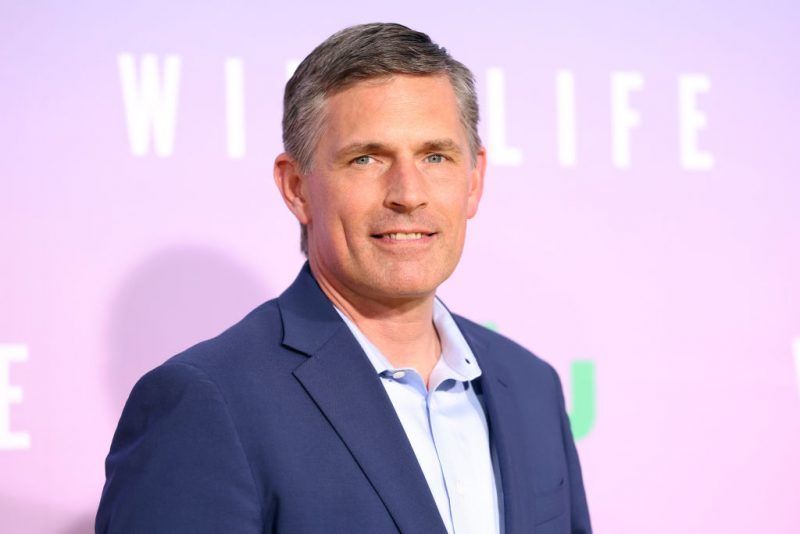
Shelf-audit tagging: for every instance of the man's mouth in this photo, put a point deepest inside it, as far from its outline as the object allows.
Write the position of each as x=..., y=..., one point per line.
x=403, y=236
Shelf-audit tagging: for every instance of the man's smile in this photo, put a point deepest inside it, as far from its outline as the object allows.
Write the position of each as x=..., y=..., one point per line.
x=404, y=236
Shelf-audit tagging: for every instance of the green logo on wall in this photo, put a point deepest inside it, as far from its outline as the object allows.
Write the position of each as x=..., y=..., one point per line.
x=584, y=395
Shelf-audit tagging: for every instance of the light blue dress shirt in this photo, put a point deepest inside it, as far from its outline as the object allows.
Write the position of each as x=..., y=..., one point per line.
x=446, y=426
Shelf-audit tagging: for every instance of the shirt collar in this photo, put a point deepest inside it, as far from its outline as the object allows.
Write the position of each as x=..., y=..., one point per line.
x=457, y=360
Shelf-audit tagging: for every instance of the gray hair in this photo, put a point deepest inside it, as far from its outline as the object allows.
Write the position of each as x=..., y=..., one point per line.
x=359, y=53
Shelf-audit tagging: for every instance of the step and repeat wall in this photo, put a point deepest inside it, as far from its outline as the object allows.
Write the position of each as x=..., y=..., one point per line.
x=640, y=229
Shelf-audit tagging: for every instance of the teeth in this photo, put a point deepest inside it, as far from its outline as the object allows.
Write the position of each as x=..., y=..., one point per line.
x=403, y=237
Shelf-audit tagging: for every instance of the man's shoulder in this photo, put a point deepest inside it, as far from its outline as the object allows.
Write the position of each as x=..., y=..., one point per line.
x=247, y=344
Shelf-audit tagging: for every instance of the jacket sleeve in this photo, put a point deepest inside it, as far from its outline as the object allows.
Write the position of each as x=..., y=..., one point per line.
x=176, y=464
x=579, y=510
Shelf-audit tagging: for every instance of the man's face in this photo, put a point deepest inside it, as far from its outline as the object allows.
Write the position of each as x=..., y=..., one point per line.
x=391, y=188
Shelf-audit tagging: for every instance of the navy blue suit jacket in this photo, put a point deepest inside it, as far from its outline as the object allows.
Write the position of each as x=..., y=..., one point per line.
x=280, y=424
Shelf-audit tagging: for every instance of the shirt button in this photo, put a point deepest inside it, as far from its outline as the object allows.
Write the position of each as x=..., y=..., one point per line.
x=461, y=488
x=397, y=375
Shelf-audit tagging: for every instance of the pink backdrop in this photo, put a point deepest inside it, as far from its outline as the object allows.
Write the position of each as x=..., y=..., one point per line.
x=639, y=229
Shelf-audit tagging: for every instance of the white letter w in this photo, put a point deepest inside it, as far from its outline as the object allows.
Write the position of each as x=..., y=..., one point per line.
x=149, y=104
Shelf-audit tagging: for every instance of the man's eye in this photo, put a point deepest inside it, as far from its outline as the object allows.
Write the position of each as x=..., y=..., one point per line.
x=363, y=160
x=436, y=158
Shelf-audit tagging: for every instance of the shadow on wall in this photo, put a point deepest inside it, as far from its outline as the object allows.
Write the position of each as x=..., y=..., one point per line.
x=174, y=299
x=84, y=525
x=33, y=517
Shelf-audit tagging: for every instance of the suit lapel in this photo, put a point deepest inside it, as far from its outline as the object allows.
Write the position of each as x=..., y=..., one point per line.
x=345, y=387
x=504, y=418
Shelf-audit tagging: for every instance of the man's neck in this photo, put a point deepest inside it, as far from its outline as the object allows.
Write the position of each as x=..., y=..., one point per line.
x=401, y=329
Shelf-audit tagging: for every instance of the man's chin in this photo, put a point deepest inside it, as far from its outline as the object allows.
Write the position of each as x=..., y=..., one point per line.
x=408, y=284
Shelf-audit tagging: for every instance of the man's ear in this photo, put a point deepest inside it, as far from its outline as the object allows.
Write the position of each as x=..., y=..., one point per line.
x=476, y=183
x=291, y=184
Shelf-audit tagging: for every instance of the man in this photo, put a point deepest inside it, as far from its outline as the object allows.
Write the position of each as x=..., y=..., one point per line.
x=356, y=402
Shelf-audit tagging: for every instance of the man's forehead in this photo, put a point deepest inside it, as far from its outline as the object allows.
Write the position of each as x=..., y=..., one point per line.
x=385, y=81
x=387, y=113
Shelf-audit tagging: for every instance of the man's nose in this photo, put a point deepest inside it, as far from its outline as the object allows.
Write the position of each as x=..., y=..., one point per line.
x=407, y=187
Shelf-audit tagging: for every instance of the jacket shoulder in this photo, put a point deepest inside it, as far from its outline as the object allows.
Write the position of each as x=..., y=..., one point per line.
x=254, y=336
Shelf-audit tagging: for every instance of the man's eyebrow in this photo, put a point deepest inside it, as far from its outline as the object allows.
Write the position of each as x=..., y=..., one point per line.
x=370, y=147
x=360, y=148
x=441, y=145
